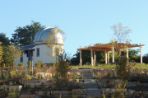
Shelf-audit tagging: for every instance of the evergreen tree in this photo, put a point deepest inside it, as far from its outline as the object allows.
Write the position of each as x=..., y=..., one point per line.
x=25, y=35
x=3, y=39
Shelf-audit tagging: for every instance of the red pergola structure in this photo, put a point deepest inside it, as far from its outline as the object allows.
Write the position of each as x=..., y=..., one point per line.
x=108, y=49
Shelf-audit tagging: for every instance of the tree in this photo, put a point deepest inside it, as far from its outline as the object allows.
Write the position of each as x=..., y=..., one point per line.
x=5, y=40
x=122, y=71
x=61, y=69
x=11, y=53
x=85, y=56
x=7, y=58
x=121, y=36
x=25, y=35
x=145, y=58
x=1, y=55
x=133, y=55
x=121, y=33
x=75, y=59
x=123, y=66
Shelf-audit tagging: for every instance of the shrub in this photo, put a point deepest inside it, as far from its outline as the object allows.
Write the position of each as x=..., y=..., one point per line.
x=13, y=74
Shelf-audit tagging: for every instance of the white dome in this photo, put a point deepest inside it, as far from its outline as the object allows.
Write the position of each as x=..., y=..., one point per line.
x=49, y=35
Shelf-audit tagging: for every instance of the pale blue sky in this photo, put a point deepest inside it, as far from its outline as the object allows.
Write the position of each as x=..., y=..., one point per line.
x=84, y=22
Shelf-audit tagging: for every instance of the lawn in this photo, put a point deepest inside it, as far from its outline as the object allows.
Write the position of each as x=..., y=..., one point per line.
x=102, y=66
x=111, y=66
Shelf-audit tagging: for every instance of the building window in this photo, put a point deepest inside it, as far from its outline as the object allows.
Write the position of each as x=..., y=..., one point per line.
x=38, y=52
x=21, y=59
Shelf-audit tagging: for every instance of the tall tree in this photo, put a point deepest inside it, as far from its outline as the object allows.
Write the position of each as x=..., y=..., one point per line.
x=25, y=35
x=121, y=33
x=3, y=39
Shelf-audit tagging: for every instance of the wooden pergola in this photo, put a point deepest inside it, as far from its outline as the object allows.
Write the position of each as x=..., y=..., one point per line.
x=108, y=49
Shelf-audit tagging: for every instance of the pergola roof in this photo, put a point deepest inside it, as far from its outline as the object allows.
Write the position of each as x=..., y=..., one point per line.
x=108, y=46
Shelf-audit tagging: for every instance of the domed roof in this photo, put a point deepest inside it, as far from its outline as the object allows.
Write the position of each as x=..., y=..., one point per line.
x=49, y=35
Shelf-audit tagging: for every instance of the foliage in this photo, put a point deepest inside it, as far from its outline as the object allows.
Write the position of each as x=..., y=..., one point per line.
x=122, y=68
x=25, y=35
x=5, y=40
x=102, y=66
x=27, y=77
x=141, y=67
x=121, y=33
x=14, y=51
x=75, y=59
x=61, y=70
x=13, y=73
x=11, y=53
x=8, y=52
x=39, y=64
x=1, y=55
x=20, y=65
x=133, y=55
x=29, y=69
x=145, y=58
x=5, y=74
x=21, y=70
x=7, y=57
x=60, y=76
x=136, y=66
x=13, y=95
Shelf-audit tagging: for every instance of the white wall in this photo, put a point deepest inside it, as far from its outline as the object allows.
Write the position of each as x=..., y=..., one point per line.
x=47, y=55
x=25, y=60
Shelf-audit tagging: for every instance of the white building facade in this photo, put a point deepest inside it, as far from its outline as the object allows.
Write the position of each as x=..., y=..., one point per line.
x=47, y=45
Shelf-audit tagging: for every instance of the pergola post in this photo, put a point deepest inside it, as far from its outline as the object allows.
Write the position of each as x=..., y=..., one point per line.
x=105, y=57
x=108, y=57
x=94, y=58
x=141, y=57
x=80, y=57
x=91, y=53
x=127, y=53
x=113, y=55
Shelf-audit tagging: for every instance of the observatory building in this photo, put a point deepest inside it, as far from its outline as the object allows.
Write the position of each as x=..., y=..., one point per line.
x=47, y=44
